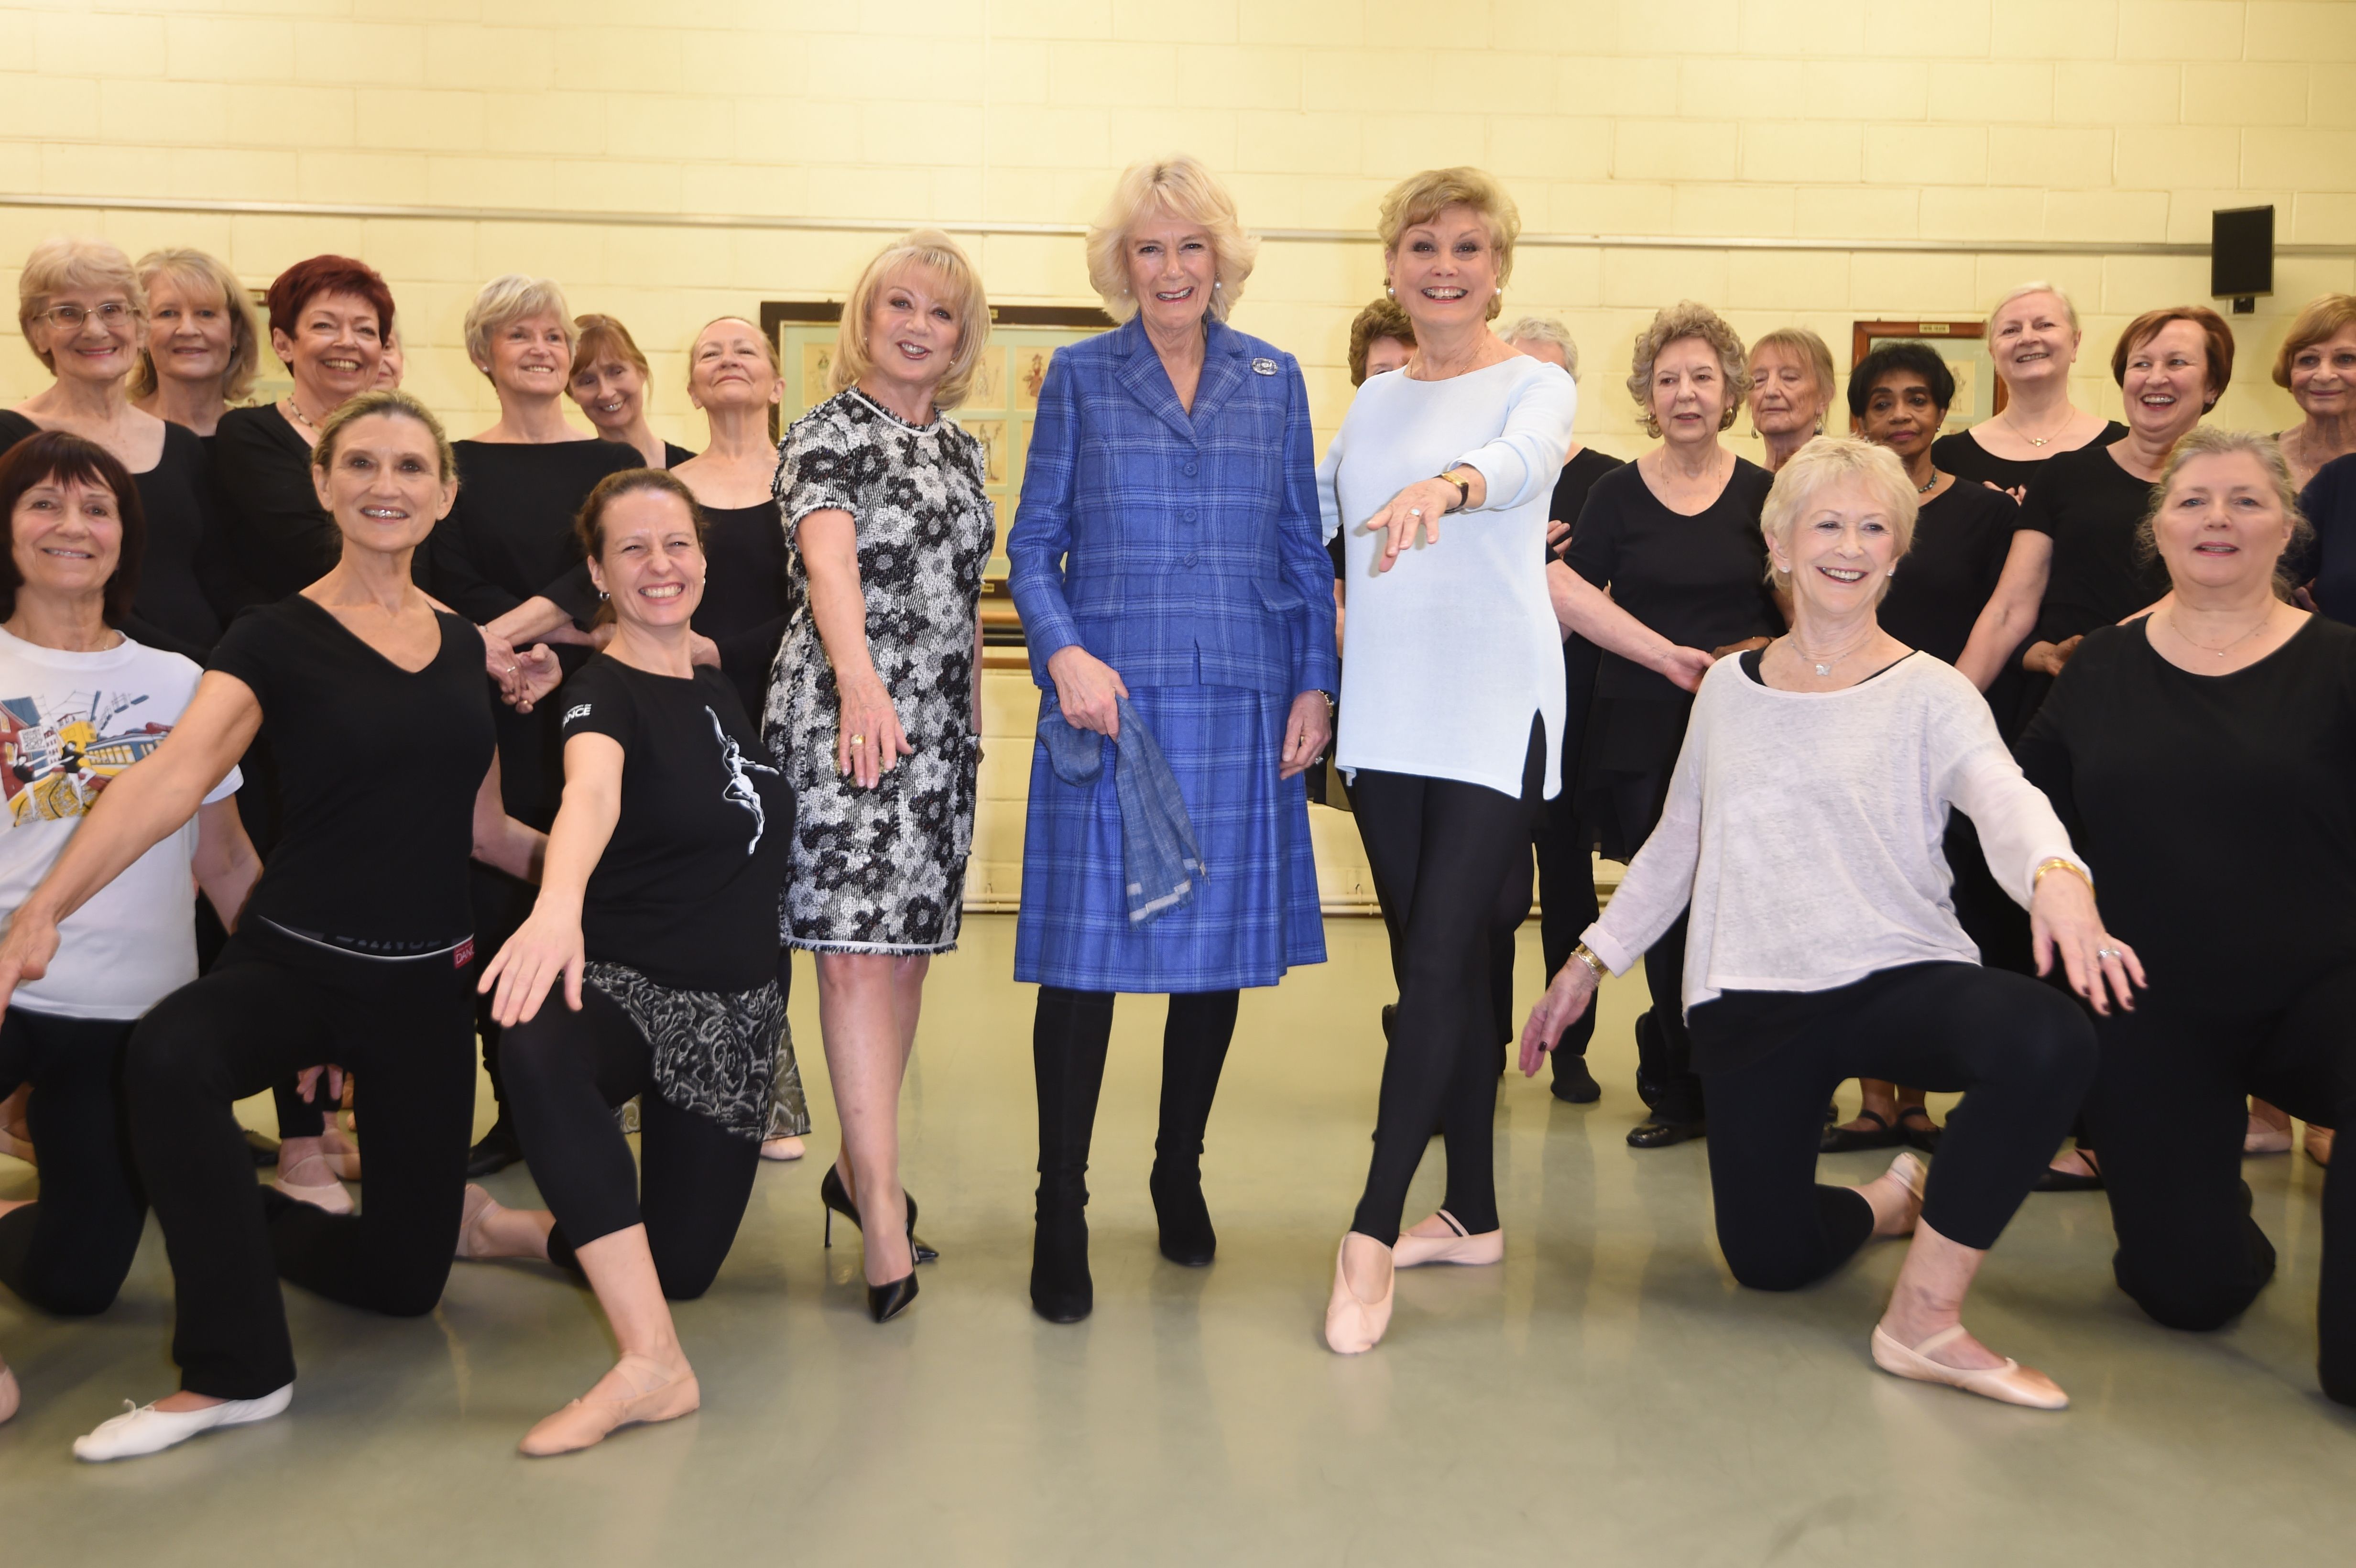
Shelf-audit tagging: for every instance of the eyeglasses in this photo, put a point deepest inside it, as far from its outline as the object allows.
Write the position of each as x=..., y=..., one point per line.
x=113, y=313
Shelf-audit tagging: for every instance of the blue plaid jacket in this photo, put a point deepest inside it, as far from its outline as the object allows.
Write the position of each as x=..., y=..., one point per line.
x=1177, y=550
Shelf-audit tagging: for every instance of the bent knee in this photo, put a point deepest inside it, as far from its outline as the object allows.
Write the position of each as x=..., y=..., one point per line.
x=2197, y=1304
x=1758, y=1267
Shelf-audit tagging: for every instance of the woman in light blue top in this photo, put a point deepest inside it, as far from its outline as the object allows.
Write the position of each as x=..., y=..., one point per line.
x=1451, y=727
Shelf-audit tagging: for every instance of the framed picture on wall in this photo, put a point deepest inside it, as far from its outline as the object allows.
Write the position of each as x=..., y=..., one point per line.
x=1962, y=344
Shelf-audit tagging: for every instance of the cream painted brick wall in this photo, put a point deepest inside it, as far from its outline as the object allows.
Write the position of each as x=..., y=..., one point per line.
x=2111, y=122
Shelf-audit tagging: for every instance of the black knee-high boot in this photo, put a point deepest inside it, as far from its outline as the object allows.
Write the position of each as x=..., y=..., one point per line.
x=1069, y=1035
x=1193, y=1049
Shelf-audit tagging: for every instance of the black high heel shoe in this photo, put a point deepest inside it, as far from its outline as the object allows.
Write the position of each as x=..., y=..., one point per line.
x=831, y=1192
x=885, y=1302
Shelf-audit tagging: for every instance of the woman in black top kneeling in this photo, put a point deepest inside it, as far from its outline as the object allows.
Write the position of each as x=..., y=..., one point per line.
x=2201, y=756
x=659, y=910
x=354, y=949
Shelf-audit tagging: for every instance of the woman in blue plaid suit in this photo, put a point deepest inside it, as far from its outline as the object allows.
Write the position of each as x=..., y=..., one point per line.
x=1167, y=563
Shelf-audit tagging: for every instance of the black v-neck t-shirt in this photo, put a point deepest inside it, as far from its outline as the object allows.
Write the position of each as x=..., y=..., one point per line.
x=509, y=536
x=2217, y=813
x=746, y=602
x=1962, y=455
x=2092, y=508
x=1699, y=581
x=178, y=584
x=1943, y=583
x=276, y=538
x=378, y=771
x=687, y=891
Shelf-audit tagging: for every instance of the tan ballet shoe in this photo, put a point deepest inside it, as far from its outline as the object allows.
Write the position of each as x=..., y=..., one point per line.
x=2011, y=1383
x=586, y=1423
x=9, y=1395
x=1459, y=1246
x=479, y=1206
x=327, y=1193
x=2319, y=1144
x=782, y=1149
x=2263, y=1137
x=1354, y=1325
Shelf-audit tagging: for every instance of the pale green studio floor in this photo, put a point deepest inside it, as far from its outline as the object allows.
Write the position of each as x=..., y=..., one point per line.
x=1606, y=1395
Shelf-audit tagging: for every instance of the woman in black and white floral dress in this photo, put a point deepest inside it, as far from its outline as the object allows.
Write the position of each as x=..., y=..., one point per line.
x=874, y=712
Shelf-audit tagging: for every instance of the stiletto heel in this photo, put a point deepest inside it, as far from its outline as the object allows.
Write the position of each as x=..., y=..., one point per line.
x=832, y=1192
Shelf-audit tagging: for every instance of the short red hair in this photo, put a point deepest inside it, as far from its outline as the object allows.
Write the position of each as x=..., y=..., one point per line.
x=304, y=281
x=2217, y=336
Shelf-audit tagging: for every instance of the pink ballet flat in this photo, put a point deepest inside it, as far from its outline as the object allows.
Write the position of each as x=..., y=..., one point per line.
x=2011, y=1383
x=328, y=1195
x=586, y=1423
x=9, y=1395
x=1462, y=1246
x=478, y=1207
x=1352, y=1324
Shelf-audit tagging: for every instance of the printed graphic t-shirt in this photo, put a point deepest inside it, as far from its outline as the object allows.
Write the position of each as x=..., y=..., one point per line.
x=686, y=893
x=69, y=723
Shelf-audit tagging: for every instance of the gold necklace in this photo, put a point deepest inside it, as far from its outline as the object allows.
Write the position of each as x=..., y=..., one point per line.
x=2068, y=415
x=2182, y=636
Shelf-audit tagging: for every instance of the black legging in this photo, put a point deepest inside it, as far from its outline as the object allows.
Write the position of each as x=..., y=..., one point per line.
x=2168, y=1110
x=1071, y=1035
x=1666, y=1080
x=68, y=1252
x=1443, y=846
x=501, y=904
x=1566, y=903
x=1505, y=914
x=272, y=1006
x=2021, y=1052
x=566, y=1071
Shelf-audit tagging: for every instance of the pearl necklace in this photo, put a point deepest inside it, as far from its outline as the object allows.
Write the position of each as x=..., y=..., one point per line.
x=294, y=409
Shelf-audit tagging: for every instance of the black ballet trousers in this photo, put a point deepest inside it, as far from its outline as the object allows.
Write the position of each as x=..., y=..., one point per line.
x=1443, y=847
x=272, y=1006
x=68, y=1252
x=566, y=1072
x=2021, y=1052
x=1071, y=1035
x=2167, y=1113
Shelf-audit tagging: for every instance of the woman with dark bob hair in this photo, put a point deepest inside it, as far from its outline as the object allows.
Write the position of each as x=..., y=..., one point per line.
x=354, y=951
x=86, y=702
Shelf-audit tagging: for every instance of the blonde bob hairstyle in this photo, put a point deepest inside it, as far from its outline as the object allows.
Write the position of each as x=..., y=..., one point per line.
x=1419, y=198
x=2208, y=441
x=1828, y=460
x=938, y=254
x=513, y=297
x=1800, y=346
x=1687, y=319
x=2034, y=286
x=198, y=272
x=1178, y=187
x=72, y=262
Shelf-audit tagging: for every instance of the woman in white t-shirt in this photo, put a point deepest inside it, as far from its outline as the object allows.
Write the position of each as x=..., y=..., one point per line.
x=1802, y=830
x=78, y=703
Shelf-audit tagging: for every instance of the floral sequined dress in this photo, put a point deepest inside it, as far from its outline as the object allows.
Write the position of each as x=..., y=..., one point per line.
x=883, y=871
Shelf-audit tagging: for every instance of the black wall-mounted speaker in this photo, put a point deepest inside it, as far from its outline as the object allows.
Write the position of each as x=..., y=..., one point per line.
x=2242, y=254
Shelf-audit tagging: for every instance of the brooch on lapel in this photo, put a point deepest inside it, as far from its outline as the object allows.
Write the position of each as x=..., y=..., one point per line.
x=1263, y=366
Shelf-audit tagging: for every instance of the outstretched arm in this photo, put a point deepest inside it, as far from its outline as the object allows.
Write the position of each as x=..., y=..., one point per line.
x=550, y=943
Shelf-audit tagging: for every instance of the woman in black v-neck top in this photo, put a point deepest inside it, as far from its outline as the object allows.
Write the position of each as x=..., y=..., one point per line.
x=354, y=948
x=2201, y=757
x=1680, y=587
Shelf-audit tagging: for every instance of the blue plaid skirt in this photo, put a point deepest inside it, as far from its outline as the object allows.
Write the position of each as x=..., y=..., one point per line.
x=1256, y=913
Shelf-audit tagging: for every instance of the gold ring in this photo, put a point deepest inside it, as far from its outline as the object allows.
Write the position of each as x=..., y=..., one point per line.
x=859, y=739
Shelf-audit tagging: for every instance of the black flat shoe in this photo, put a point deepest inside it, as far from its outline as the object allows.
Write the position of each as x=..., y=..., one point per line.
x=885, y=1302
x=1187, y=1238
x=1573, y=1083
x=1661, y=1134
x=832, y=1192
x=1920, y=1132
x=263, y=1149
x=1390, y=1017
x=498, y=1151
x=1061, y=1289
x=2068, y=1181
x=1848, y=1140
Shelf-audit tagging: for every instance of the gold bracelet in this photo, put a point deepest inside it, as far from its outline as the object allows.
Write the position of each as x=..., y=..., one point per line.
x=2058, y=864
x=1586, y=955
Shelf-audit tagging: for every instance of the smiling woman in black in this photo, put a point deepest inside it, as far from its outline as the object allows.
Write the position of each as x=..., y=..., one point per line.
x=659, y=912
x=354, y=949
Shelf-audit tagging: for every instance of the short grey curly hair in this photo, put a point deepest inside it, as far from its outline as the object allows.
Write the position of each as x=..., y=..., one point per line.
x=2208, y=440
x=1687, y=319
x=1545, y=329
